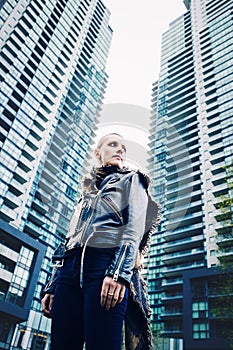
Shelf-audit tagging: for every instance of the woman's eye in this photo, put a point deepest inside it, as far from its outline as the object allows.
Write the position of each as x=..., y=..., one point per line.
x=115, y=144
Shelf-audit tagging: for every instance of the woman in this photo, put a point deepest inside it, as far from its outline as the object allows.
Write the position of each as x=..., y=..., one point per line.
x=91, y=288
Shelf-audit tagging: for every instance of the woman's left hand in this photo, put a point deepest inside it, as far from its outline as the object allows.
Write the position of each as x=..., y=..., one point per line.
x=112, y=292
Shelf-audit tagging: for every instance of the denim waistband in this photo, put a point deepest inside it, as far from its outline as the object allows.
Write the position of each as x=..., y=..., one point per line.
x=70, y=253
x=96, y=258
x=78, y=250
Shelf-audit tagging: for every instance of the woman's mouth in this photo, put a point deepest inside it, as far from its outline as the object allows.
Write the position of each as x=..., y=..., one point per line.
x=117, y=157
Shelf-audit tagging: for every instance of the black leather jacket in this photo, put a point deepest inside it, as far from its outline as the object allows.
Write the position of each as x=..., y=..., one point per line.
x=115, y=215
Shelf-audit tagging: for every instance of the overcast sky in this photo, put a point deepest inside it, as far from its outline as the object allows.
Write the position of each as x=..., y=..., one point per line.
x=133, y=66
x=134, y=58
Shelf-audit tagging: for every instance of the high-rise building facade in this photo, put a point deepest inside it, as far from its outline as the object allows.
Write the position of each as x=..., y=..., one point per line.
x=191, y=153
x=53, y=58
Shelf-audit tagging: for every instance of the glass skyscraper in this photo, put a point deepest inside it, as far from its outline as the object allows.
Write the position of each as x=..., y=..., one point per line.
x=53, y=58
x=191, y=153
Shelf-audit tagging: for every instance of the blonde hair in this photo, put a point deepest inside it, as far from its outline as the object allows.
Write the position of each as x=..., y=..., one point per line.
x=102, y=139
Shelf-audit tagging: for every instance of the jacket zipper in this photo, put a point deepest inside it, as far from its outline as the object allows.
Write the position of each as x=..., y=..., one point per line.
x=82, y=261
x=93, y=208
x=90, y=217
x=84, y=229
x=85, y=244
x=113, y=207
x=81, y=213
x=117, y=271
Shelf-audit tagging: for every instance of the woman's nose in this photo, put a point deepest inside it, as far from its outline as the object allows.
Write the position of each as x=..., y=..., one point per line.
x=120, y=150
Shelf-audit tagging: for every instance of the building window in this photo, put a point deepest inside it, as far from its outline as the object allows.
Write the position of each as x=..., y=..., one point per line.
x=5, y=327
x=70, y=192
x=199, y=290
x=200, y=330
x=200, y=310
x=17, y=289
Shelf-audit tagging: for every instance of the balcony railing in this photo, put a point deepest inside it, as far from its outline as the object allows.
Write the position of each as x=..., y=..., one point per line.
x=12, y=201
x=195, y=216
x=178, y=269
x=7, y=214
x=171, y=314
x=21, y=175
x=179, y=178
x=172, y=282
x=40, y=206
x=36, y=217
x=183, y=232
x=182, y=168
x=182, y=253
x=32, y=229
x=189, y=185
x=184, y=207
x=180, y=198
x=16, y=187
x=170, y=246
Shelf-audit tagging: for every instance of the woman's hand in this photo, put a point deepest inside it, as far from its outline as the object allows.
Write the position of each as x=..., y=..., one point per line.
x=112, y=292
x=47, y=303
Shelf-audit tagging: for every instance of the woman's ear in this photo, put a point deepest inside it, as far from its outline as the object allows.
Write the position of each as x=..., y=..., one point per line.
x=97, y=154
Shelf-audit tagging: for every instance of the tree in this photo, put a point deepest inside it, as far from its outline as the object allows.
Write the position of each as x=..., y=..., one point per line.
x=222, y=286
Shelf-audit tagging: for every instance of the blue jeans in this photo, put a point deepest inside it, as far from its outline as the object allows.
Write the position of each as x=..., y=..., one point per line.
x=77, y=316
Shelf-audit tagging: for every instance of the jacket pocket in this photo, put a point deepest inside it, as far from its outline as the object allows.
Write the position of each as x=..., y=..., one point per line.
x=114, y=208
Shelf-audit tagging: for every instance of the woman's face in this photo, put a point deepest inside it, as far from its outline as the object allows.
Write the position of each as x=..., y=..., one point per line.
x=112, y=151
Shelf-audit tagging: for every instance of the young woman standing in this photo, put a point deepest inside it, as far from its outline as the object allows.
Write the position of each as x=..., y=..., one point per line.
x=87, y=296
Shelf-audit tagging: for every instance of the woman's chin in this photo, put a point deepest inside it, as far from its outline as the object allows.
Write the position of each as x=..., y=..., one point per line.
x=115, y=162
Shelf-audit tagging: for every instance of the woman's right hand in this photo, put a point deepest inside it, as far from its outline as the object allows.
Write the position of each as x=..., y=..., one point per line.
x=47, y=303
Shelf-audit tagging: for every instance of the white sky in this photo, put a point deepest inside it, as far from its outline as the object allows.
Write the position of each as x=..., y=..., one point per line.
x=134, y=58
x=133, y=66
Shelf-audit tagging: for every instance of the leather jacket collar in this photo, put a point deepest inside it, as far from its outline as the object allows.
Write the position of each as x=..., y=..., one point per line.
x=97, y=175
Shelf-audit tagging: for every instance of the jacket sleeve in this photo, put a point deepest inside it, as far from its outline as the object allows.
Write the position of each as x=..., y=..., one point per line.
x=124, y=259
x=57, y=257
x=51, y=285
